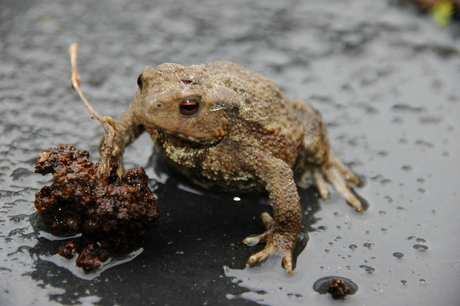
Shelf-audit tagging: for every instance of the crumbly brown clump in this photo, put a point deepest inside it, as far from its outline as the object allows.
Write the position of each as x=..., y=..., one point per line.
x=338, y=289
x=91, y=257
x=114, y=212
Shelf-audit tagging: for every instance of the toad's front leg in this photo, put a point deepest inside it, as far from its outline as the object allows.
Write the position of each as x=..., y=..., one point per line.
x=282, y=230
x=127, y=129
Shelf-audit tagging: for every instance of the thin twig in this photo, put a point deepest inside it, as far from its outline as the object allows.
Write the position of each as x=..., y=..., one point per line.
x=106, y=122
x=75, y=78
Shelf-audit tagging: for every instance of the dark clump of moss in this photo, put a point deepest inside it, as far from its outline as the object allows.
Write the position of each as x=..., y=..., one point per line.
x=115, y=213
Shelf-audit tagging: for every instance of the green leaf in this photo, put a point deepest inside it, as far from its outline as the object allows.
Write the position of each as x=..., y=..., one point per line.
x=442, y=12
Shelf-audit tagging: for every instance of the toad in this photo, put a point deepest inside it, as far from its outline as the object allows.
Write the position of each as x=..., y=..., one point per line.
x=230, y=129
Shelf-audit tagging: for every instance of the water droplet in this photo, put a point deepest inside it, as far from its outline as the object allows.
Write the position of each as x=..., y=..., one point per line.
x=407, y=108
x=327, y=251
x=422, y=280
x=420, y=240
x=398, y=255
x=407, y=168
x=321, y=228
x=382, y=212
x=421, y=247
x=384, y=230
x=430, y=120
x=411, y=238
x=261, y=292
x=368, y=269
x=424, y=143
x=404, y=282
x=380, y=178
x=337, y=286
x=369, y=245
x=403, y=140
x=236, y=199
x=353, y=247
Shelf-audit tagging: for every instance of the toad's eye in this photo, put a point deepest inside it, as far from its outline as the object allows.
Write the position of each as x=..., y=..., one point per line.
x=139, y=81
x=189, y=106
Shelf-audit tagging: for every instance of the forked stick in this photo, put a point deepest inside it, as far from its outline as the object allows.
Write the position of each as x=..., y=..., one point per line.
x=106, y=122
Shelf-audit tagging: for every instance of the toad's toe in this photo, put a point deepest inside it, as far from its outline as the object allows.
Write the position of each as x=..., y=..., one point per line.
x=321, y=184
x=277, y=242
x=334, y=176
x=344, y=170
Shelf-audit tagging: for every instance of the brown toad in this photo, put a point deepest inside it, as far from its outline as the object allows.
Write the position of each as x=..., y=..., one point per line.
x=231, y=129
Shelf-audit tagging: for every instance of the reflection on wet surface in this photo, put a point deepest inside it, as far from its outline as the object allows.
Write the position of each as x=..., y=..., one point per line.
x=384, y=78
x=71, y=266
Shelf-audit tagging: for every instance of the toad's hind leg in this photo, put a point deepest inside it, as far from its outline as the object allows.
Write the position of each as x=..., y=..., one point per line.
x=336, y=173
x=320, y=162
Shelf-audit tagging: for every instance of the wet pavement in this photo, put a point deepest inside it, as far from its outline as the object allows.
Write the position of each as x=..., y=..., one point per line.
x=385, y=78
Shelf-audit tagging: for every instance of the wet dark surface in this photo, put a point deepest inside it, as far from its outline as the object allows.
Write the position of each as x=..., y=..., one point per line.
x=385, y=78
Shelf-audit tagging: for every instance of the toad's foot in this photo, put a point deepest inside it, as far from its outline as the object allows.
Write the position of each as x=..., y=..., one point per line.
x=337, y=174
x=277, y=242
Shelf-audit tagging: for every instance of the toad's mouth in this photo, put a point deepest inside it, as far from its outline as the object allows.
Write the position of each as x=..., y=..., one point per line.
x=197, y=140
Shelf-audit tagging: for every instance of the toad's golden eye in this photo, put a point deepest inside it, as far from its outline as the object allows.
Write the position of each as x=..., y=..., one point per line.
x=189, y=106
x=139, y=81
